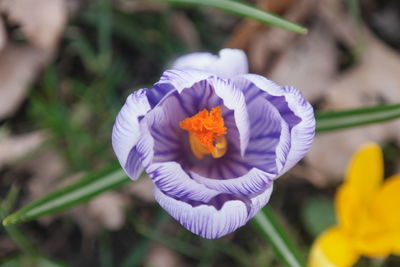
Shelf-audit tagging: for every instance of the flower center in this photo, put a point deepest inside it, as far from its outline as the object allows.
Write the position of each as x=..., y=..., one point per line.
x=206, y=133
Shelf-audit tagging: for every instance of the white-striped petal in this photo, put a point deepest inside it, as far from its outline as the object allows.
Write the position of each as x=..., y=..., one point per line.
x=126, y=131
x=229, y=63
x=253, y=182
x=234, y=99
x=293, y=108
x=168, y=176
x=205, y=220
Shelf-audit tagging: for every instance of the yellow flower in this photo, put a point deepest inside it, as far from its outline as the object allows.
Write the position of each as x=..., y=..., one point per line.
x=368, y=215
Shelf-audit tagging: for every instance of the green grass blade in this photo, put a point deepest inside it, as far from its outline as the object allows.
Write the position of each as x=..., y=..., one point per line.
x=244, y=10
x=274, y=234
x=78, y=192
x=335, y=120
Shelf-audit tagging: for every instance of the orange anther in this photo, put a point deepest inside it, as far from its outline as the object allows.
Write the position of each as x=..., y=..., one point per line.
x=204, y=129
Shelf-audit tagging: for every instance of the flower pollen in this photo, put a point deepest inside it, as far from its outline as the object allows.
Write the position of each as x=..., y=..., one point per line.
x=206, y=133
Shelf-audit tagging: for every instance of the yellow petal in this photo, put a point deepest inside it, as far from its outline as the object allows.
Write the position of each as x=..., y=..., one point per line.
x=374, y=245
x=363, y=179
x=332, y=249
x=386, y=203
x=385, y=208
x=396, y=241
x=365, y=171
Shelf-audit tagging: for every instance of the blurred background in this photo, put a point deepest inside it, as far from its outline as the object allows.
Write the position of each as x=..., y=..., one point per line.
x=66, y=67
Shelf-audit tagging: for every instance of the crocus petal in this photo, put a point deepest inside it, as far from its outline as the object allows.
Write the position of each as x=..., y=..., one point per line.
x=194, y=61
x=301, y=131
x=374, y=245
x=363, y=179
x=270, y=138
x=253, y=182
x=386, y=203
x=260, y=200
x=173, y=180
x=126, y=132
x=181, y=79
x=205, y=220
x=186, y=82
x=229, y=63
x=365, y=171
x=167, y=176
x=234, y=99
x=396, y=243
x=213, y=197
x=332, y=249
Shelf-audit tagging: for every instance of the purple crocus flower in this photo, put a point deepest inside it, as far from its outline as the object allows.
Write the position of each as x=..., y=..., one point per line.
x=213, y=139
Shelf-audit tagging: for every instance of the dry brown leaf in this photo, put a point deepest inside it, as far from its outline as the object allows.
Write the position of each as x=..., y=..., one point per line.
x=340, y=22
x=274, y=41
x=104, y=211
x=19, y=65
x=374, y=80
x=142, y=189
x=3, y=35
x=243, y=33
x=46, y=167
x=42, y=21
x=140, y=6
x=184, y=29
x=13, y=148
x=313, y=174
x=310, y=64
x=162, y=256
x=108, y=210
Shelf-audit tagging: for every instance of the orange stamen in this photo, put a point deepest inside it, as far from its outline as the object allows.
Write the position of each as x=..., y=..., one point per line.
x=206, y=130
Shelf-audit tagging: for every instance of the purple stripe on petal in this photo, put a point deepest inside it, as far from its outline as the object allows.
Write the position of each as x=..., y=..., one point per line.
x=181, y=79
x=173, y=180
x=157, y=93
x=205, y=220
x=145, y=145
x=260, y=200
x=133, y=165
x=230, y=166
x=266, y=153
x=126, y=130
x=234, y=99
x=252, y=182
x=301, y=132
x=219, y=201
x=196, y=98
x=280, y=103
x=168, y=176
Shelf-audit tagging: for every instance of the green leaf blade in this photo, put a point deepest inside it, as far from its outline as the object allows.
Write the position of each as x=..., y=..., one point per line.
x=244, y=10
x=336, y=120
x=69, y=196
x=274, y=234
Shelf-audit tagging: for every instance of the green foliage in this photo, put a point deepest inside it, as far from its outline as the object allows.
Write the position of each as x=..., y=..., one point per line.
x=244, y=10
x=318, y=214
x=86, y=188
x=335, y=120
x=31, y=261
x=271, y=231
